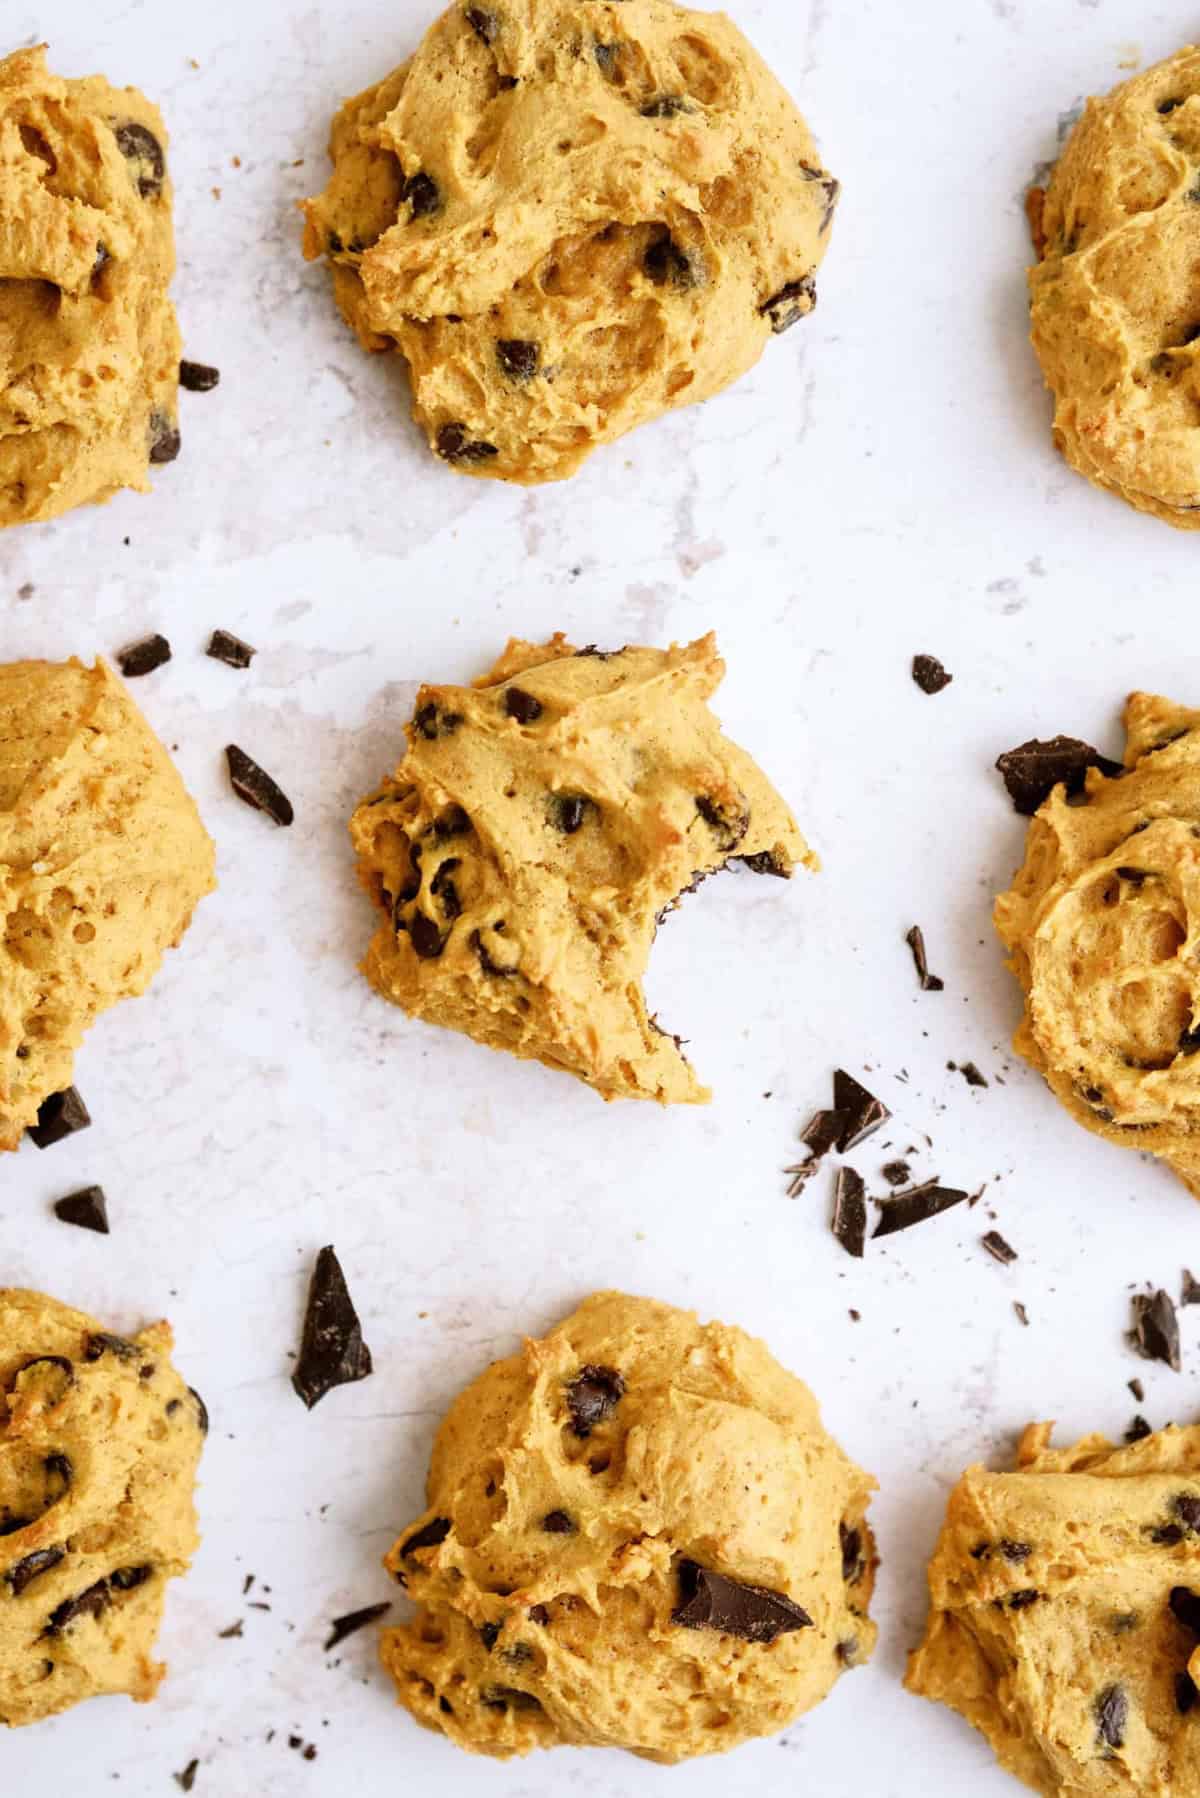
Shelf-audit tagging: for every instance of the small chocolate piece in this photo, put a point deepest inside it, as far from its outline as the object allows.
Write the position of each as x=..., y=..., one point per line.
x=430, y=1535
x=519, y=359
x=896, y=1172
x=332, y=1351
x=128, y=1579
x=821, y=1133
x=539, y=1614
x=25, y=1572
x=1186, y=1506
x=1190, y=1295
x=223, y=646
x=1138, y=1430
x=790, y=304
x=103, y=1342
x=832, y=187
x=568, y=811
x=1138, y=1390
x=930, y=983
x=489, y=1635
x=484, y=24
x=165, y=440
x=501, y=1698
x=254, y=786
x=709, y=1600
x=969, y=1072
x=558, y=1523
x=667, y=265
x=187, y=1779
x=201, y=1410
x=854, y=1560
x=1112, y=1716
x=1032, y=770
x=1015, y=1552
x=850, y=1212
x=354, y=1620
x=929, y=674
x=1155, y=1333
x=728, y=826
x=88, y=1603
x=485, y=960
x=1021, y=1601
x=144, y=657
x=666, y=106
x=433, y=724
x=454, y=445
x=421, y=192
x=593, y=1395
x=198, y=377
x=765, y=862
x=141, y=148
x=799, y=1175
x=861, y=1112
x=916, y=1206
x=998, y=1248
x=87, y=1208
x=59, y=1116
x=522, y=706
x=1185, y=1608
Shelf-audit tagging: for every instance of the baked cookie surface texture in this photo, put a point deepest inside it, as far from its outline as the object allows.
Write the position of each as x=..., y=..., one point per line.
x=1064, y=1617
x=1116, y=306
x=1102, y=924
x=99, y=1443
x=570, y=216
x=638, y=1536
x=536, y=832
x=103, y=859
x=89, y=344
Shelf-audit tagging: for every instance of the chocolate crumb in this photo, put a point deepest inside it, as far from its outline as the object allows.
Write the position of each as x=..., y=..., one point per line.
x=1032, y=770
x=354, y=1620
x=917, y=1206
x=59, y=1116
x=254, y=786
x=709, y=1600
x=144, y=657
x=1155, y=1333
x=929, y=674
x=87, y=1208
x=223, y=646
x=198, y=377
x=997, y=1247
x=930, y=983
x=332, y=1350
x=850, y=1212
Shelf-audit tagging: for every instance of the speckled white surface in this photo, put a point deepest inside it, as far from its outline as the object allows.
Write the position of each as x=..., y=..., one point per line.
x=882, y=484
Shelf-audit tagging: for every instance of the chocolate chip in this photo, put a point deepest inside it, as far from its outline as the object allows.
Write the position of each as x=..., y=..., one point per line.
x=1155, y=1333
x=792, y=303
x=1185, y=1693
x=25, y=1572
x=1112, y=1716
x=861, y=1112
x=854, y=1561
x=519, y=359
x=427, y=938
x=1190, y=1294
x=103, y=256
x=666, y=106
x=102, y=1342
x=1165, y=1535
x=503, y=1698
x=433, y=723
x=144, y=657
x=969, y=1072
x=1021, y=1601
x=88, y=1603
x=729, y=827
x=896, y=1172
x=254, y=786
x=832, y=187
x=128, y=1579
x=223, y=646
x=430, y=1535
x=354, y=1620
x=1032, y=770
x=522, y=706
x=142, y=149
x=850, y=1212
x=557, y=1523
x=998, y=1248
x=916, y=1206
x=165, y=441
x=766, y=862
x=539, y=1614
x=87, y=1208
x=667, y=265
x=568, y=811
x=1186, y=1507
x=709, y=1600
x=1166, y=106
x=929, y=983
x=421, y=192
x=484, y=24
x=453, y=822
x=454, y=445
x=489, y=1635
x=1185, y=1608
x=593, y=1395
x=59, y=1116
x=198, y=377
x=929, y=674
x=847, y=1651
x=332, y=1350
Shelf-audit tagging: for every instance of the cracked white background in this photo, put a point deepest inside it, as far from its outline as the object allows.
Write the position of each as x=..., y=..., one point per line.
x=882, y=484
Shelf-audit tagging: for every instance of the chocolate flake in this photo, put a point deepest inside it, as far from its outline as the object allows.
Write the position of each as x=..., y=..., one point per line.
x=1186, y=1693
x=140, y=147
x=144, y=657
x=854, y=1561
x=88, y=1603
x=255, y=787
x=1032, y=770
x=165, y=441
x=709, y=1600
x=558, y=1523
x=423, y=195
x=32, y=1567
x=88, y=1208
x=354, y=1620
x=929, y=674
x=969, y=1072
x=103, y=1342
x=792, y=303
x=198, y=377
x=861, y=1112
x=850, y=1212
x=997, y=1247
x=1155, y=1333
x=231, y=1633
x=332, y=1351
x=187, y=1779
x=593, y=1395
x=484, y=24
x=59, y=1116
x=1190, y=1295
x=930, y=983
x=821, y=1133
x=668, y=265
x=1112, y=1716
x=223, y=646
x=916, y=1206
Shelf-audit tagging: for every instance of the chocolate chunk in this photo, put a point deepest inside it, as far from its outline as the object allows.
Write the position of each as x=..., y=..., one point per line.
x=667, y=265
x=766, y=862
x=485, y=25
x=862, y=1113
x=427, y=938
x=1032, y=770
x=165, y=441
x=969, y=1072
x=26, y=1571
x=144, y=657
x=709, y=1600
x=88, y=1208
x=557, y=1523
x=850, y=1212
x=142, y=149
x=430, y=1535
x=593, y=1395
x=930, y=983
x=1190, y=1295
x=916, y=1206
x=832, y=187
x=854, y=1560
x=254, y=786
x=1165, y=1535
x=729, y=827
x=354, y=1620
x=606, y=57
x=128, y=1579
x=666, y=106
x=59, y=1116
x=187, y=1779
x=454, y=445
x=503, y=1698
x=997, y=1247
x=332, y=1351
x=568, y=811
x=489, y=1635
x=198, y=377
x=102, y=1342
x=433, y=723
x=1185, y=1693
x=896, y=1172
x=522, y=706
x=421, y=192
x=1112, y=1716
x=792, y=303
x=1185, y=1608
x=539, y=1614
x=1155, y=1333
x=103, y=256
x=519, y=359
x=88, y=1603
x=223, y=646
x=929, y=674
x=1166, y=106
x=822, y=1131
x=1015, y=1552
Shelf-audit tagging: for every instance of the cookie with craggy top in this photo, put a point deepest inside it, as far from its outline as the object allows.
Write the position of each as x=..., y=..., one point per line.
x=539, y=827
x=1101, y=924
x=1116, y=309
x=570, y=216
x=99, y=1443
x=638, y=1536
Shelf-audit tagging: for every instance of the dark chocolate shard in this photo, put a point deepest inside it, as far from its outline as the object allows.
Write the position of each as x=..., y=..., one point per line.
x=187, y=1779
x=1138, y=1430
x=1190, y=1294
x=667, y=265
x=484, y=24
x=1032, y=770
x=709, y=1600
x=930, y=983
x=766, y=862
x=128, y=1579
x=522, y=706
x=1022, y=1313
x=198, y=377
x=87, y=1208
x=430, y=1535
x=861, y=1112
x=503, y=1698
x=427, y=938
x=254, y=786
x=1185, y=1608
x=559, y=1523
x=455, y=444
x=821, y=1133
x=144, y=657
x=969, y=1072
x=32, y=1567
x=59, y=1116
x=1138, y=1390
x=1186, y=1693
x=854, y=1559
x=165, y=440
x=1112, y=1716
x=520, y=359
x=1001, y=1250
x=223, y=646
x=568, y=811
x=896, y=1172
x=792, y=303
x=355, y=1620
x=201, y=1410
x=1186, y=1506
x=850, y=1212
x=332, y=1350
x=88, y=1603
x=1155, y=1333
x=916, y=1206
x=593, y=1395
x=1015, y=1552
x=489, y=1635
x=423, y=195
x=728, y=825
x=929, y=674
x=103, y=1342
x=143, y=152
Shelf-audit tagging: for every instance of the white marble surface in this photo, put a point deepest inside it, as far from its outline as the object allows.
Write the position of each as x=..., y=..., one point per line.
x=882, y=484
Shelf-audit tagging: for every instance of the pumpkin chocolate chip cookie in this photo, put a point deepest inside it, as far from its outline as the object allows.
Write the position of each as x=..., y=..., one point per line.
x=538, y=829
x=638, y=1536
x=99, y=1442
x=570, y=216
